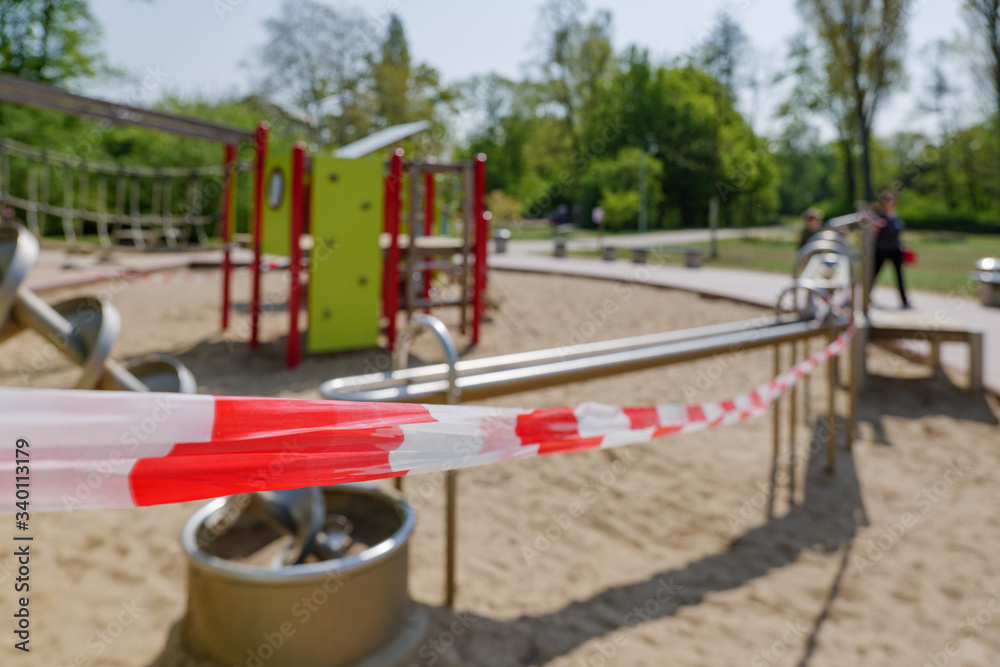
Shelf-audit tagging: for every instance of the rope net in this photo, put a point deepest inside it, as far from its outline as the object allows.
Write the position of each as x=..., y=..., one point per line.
x=65, y=195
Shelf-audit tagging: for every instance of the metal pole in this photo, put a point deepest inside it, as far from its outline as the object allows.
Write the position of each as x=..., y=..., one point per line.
x=776, y=415
x=451, y=492
x=852, y=406
x=400, y=357
x=831, y=408
x=805, y=384
x=229, y=159
x=295, y=250
x=258, y=219
x=792, y=419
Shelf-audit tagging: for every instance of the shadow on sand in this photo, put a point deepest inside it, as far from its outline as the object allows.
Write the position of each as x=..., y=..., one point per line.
x=827, y=520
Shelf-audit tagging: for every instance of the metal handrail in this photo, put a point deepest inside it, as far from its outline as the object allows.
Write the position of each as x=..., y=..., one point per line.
x=338, y=388
x=417, y=324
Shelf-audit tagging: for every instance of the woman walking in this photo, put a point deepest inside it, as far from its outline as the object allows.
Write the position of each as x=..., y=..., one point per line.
x=888, y=245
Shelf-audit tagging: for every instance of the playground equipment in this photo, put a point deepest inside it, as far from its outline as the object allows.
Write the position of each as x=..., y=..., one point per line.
x=30, y=93
x=366, y=260
x=360, y=612
x=84, y=329
x=823, y=269
x=176, y=197
x=111, y=196
x=337, y=210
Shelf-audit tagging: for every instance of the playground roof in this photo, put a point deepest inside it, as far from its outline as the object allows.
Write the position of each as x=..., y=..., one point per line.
x=381, y=139
x=32, y=93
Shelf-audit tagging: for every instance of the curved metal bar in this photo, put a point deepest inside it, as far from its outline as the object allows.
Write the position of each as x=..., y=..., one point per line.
x=819, y=247
x=418, y=323
x=18, y=253
x=820, y=292
x=833, y=236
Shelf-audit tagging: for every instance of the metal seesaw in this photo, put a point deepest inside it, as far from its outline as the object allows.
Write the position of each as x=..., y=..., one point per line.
x=823, y=268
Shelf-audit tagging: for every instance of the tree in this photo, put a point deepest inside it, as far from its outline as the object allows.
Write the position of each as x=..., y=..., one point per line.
x=724, y=54
x=392, y=76
x=864, y=42
x=404, y=93
x=54, y=41
x=983, y=17
x=317, y=58
x=939, y=90
x=721, y=56
x=578, y=55
x=811, y=95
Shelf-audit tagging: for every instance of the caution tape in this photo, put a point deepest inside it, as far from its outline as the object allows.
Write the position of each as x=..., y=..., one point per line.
x=92, y=449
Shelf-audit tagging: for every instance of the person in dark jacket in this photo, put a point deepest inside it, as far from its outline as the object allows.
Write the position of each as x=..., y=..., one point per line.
x=812, y=221
x=888, y=245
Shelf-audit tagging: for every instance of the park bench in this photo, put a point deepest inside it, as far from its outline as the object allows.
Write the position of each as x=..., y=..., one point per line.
x=692, y=256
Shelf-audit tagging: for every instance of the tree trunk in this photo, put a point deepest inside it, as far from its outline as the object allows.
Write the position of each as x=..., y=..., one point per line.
x=945, y=167
x=866, y=160
x=845, y=146
x=994, y=38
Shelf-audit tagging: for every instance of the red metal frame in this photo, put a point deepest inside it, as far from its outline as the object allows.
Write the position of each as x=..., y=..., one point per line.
x=258, y=214
x=482, y=231
x=429, y=184
x=297, y=185
x=390, y=277
x=229, y=161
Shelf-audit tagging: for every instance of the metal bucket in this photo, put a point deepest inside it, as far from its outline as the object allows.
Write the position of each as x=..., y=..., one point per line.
x=350, y=610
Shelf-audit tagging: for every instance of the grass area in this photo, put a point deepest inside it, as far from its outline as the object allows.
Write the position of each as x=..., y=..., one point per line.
x=944, y=259
x=541, y=231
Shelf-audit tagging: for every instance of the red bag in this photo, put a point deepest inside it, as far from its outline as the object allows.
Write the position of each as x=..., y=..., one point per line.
x=909, y=256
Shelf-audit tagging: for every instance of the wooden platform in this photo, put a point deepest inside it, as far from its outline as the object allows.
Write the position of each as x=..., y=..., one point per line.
x=935, y=329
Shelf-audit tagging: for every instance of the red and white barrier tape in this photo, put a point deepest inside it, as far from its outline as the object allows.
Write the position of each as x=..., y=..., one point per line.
x=93, y=449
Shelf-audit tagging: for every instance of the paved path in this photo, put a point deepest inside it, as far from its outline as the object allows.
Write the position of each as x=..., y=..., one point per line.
x=762, y=289
x=651, y=239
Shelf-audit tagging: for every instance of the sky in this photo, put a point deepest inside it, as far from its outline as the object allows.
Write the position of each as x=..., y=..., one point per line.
x=207, y=46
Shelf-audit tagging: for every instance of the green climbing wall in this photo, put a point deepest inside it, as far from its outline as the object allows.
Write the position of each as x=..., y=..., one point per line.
x=345, y=289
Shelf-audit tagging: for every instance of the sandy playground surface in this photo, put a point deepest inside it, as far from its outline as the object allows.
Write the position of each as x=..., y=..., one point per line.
x=676, y=559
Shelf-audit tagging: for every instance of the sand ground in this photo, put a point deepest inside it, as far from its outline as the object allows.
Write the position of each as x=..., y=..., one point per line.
x=683, y=557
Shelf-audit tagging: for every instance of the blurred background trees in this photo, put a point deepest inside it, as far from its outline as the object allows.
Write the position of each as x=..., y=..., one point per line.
x=587, y=124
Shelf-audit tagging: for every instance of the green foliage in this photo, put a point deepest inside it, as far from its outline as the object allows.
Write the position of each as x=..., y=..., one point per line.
x=613, y=184
x=504, y=207
x=53, y=41
x=621, y=208
x=863, y=44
